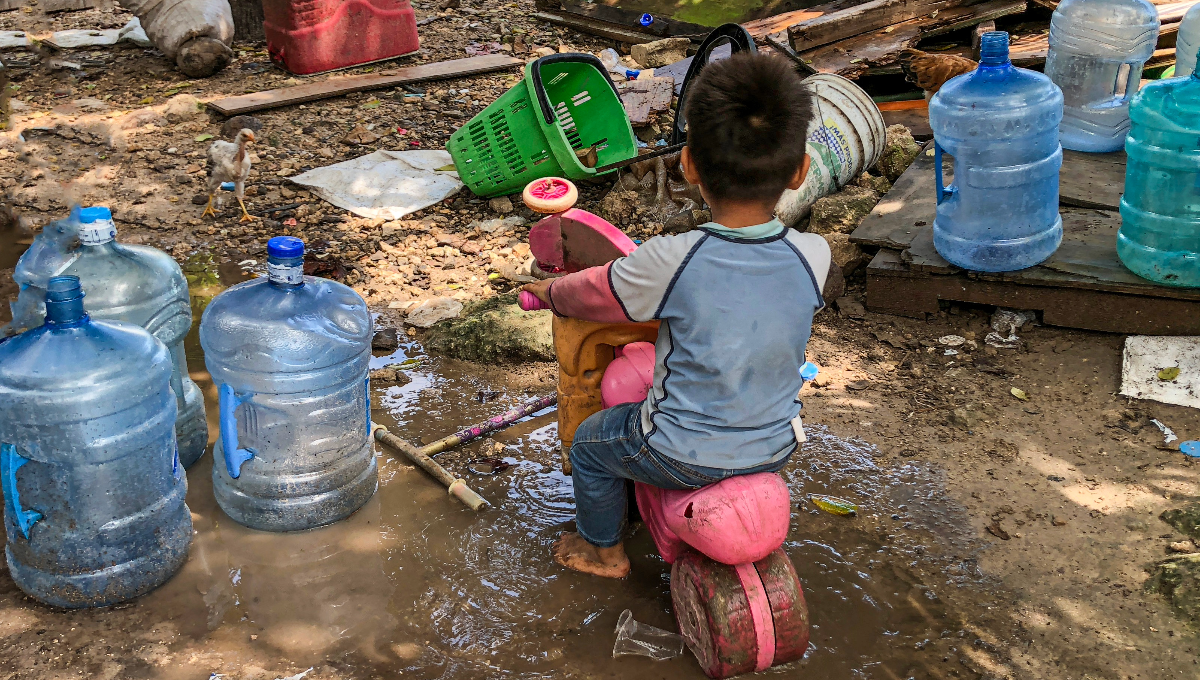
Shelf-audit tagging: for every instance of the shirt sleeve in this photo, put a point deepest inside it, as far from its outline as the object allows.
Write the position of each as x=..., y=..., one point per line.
x=587, y=295
x=643, y=279
x=815, y=250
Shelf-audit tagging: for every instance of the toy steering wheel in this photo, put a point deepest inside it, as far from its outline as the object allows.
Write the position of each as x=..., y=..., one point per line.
x=550, y=195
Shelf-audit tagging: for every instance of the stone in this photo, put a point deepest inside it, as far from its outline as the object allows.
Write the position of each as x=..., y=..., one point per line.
x=963, y=418
x=842, y=212
x=495, y=330
x=660, y=52
x=390, y=376
x=501, y=204
x=851, y=307
x=385, y=340
x=232, y=126
x=648, y=133
x=845, y=254
x=182, y=107
x=879, y=185
x=200, y=199
x=1186, y=520
x=899, y=151
x=543, y=52
x=434, y=310
x=1178, y=579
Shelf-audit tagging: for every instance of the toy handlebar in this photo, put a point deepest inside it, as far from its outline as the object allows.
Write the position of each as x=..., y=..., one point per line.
x=529, y=302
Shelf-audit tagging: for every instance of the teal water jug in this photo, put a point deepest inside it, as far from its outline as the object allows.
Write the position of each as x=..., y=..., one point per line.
x=1160, y=211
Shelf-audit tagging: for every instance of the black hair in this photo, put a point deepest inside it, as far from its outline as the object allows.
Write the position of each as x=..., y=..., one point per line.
x=748, y=118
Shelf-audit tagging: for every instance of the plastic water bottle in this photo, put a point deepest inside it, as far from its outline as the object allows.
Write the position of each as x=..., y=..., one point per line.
x=1001, y=125
x=1187, y=43
x=93, y=489
x=289, y=355
x=1097, y=50
x=131, y=283
x=1160, y=211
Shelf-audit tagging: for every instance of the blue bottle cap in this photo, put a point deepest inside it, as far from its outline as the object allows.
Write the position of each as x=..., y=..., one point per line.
x=95, y=214
x=646, y=19
x=228, y=186
x=285, y=247
x=808, y=371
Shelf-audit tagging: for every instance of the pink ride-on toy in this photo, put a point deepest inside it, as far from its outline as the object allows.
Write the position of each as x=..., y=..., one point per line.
x=736, y=595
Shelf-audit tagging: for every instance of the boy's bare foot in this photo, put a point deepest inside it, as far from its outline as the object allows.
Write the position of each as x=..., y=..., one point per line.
x=573, y=552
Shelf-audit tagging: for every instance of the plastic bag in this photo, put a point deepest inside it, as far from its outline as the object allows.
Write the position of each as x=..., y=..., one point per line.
x=639, y=639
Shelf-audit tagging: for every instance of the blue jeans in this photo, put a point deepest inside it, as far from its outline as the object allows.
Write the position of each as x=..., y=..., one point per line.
x=608, y=449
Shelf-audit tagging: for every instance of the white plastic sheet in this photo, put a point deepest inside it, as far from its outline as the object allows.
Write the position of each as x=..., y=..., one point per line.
x=77, y=38
x=1145, y=356
x=385, y=184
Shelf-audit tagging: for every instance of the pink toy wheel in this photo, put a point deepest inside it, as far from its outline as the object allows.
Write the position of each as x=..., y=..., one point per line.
x=550, y=195
x=716, y=618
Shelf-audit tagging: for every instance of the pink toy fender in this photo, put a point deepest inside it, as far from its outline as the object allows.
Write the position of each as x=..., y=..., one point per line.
x=574, y=240
x=629, y=377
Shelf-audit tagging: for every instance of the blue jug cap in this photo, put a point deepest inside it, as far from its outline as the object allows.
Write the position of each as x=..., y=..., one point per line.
x=646, y=19
x=285, y=247
x=95, y=214
x=809, y=371
x=993, y=48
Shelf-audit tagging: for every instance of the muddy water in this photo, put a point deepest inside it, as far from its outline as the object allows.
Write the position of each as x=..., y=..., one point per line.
x=415, y=583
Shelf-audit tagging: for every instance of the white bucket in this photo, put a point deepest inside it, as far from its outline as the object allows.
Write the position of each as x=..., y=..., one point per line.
x=848, y=140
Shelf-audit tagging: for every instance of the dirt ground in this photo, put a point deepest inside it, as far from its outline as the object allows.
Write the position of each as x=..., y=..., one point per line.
x=1025, y=527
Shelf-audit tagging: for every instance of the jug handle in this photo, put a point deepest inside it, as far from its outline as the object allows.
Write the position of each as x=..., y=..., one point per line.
x=943, y=192
x=1133, y=81
x=367, y=384
x=10, y=462
x=234, y=456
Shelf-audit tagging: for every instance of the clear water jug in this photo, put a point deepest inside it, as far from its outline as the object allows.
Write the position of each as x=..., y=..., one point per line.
x=1187, y=43
x=289, y=354
x=131, y=283
x=93, y=488
x=1001, y=125
x=1097, y=50
x=1160, y=211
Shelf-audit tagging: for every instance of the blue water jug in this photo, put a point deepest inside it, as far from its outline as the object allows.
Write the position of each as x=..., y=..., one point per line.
x=1097, y=51
x=136, y=284
x=1160, y=211
x=289, y=355
x=1001, y=125
x=93, y=488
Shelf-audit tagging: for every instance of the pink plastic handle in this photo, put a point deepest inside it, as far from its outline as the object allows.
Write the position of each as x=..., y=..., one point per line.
x=529, y=302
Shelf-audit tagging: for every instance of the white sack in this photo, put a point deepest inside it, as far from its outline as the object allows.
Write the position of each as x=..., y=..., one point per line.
x=171, y=23
x=1146, y=355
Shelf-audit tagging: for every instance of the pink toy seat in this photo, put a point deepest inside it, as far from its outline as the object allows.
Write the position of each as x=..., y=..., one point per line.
x=738, y=520
x=574, y=240
x=629, y=377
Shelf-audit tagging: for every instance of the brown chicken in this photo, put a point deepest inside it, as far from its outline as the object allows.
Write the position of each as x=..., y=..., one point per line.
x=930, y=71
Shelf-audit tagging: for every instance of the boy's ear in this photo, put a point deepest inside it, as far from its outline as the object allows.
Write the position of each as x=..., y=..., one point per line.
x=798, y=178
x=688, y=166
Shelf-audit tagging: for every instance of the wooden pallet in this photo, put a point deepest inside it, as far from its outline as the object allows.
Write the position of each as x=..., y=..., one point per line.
x=1083, y=285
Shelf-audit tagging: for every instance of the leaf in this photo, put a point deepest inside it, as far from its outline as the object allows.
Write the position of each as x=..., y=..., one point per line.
x=410, y=363
x=1169, y=374
x=446, y=168
x=834, y=505
x=373, y=104
x=147, y=100
x=203, y=137
x=1019, y=394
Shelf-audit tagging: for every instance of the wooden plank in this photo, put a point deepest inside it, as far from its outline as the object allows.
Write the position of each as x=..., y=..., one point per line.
x=854, y=56
x=10, y=5
x=869, y=16
x=340, y=85
x=760, y=28
x=604, y=30
x=663, y=26
x=906, y=209
x=1092, y=180
x=644, y=96
x=54, y=6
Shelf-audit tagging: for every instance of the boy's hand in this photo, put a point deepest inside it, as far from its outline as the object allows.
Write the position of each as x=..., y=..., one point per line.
x=541, y=289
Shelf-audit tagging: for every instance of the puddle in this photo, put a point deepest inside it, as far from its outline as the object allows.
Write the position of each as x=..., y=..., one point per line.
x=416, y=584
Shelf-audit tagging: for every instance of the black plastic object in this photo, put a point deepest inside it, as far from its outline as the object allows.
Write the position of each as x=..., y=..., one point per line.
x=540, y=90
x=737, y=38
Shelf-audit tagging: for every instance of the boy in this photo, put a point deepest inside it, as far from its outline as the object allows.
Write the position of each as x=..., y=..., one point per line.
x=736, y=298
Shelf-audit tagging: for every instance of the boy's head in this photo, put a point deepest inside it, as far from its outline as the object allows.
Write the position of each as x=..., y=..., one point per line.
x=748, y=118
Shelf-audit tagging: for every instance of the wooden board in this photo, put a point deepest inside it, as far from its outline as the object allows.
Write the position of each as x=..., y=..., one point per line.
x=603, y=29
x=645, y=96
x=10, y=5
x=854, y=56
x=869, y=16
x=761, y=28
x=1092, y=180
x=54, y=6
x=339, y=85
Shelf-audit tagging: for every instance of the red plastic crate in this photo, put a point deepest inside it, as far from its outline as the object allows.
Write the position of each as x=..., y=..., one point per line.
x=311, y=36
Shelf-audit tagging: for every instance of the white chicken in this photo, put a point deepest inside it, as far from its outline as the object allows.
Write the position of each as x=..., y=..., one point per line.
x=229, y=162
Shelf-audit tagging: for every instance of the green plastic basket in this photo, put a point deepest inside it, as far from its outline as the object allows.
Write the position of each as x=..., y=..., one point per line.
x=565, y=103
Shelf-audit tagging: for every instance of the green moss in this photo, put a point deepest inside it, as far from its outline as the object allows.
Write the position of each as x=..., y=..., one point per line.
x=494, y=330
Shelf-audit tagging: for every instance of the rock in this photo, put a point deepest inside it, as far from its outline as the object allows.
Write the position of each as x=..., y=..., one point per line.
x=237, y=123
x=200, y=199
x=842, y=212
x=1182, y=547
x=963, y=418
x=201, y=57
x=1178, y=579
x=1186, y=520
x=182, y=107
x=835, y=284
x=879, y=185
x=851, y=307
x=845, y=254
x=385, y=340
x=434, y=310
x=543, y=52
x=90, y=104
x=495, y=329
x=360, y=135
x=501, y=204
x=648, y=133
x=140, y=117
x=390, y=376
x=449, y=4
x=617, y=206
x=899, y=151
x=660, y=52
